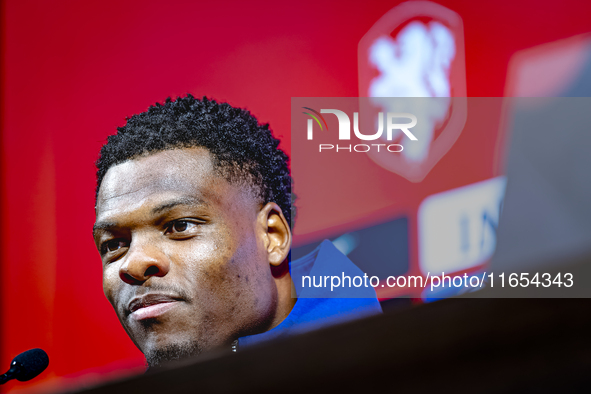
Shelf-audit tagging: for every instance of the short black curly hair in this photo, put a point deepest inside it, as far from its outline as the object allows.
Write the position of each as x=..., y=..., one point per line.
x=242, y=149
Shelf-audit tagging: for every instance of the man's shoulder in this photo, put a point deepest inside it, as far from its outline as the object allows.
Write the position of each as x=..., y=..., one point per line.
x=327, y=273
x=322, y=304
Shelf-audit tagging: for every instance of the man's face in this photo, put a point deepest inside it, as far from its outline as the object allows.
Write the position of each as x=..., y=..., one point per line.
x=184, y=259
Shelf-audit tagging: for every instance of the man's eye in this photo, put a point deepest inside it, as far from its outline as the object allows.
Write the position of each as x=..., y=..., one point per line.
x=114, y=244
x=179, y=226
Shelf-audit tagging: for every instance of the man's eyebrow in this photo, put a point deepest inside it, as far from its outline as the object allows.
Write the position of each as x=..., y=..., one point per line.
x=108, y=226
x=103, y=226
x=178, y=201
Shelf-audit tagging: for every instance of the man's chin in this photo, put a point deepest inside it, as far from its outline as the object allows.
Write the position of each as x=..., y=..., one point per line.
x=159, y=356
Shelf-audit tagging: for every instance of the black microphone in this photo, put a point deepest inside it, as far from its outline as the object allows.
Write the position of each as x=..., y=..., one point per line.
x=26, y=366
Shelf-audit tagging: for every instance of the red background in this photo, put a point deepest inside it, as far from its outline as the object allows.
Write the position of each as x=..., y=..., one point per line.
x=72, y=71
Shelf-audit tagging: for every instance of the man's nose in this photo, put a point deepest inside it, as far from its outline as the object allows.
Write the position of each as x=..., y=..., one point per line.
x=143, y=261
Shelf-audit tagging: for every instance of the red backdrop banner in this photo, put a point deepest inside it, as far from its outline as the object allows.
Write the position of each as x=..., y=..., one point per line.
x=72, y=71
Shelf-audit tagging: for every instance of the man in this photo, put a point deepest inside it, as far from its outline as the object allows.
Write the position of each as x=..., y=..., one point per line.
x=193, y=215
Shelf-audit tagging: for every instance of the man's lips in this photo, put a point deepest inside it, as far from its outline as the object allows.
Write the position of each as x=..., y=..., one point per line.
x=151, y=305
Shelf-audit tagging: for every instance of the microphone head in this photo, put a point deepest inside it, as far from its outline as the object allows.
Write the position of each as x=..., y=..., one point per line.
x=32, y=362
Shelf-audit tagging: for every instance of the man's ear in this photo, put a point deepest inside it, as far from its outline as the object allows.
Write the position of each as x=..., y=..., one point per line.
x=277, y=234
